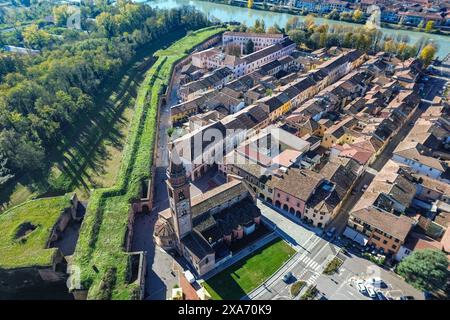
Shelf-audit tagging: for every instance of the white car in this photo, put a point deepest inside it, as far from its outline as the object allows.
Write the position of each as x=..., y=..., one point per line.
x=361, y=287
x=371, y=292
x=376, y=282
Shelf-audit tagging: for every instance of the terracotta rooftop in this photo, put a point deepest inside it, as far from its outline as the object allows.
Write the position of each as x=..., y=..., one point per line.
x=223, y=193
x=299, y=183
x=396, y=226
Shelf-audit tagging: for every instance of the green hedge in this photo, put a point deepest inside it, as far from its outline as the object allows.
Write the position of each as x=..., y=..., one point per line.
x=333, y=266
x=297, y=287
x=99, y=252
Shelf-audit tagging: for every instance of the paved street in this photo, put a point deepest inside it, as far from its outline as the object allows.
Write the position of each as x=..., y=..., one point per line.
x=313, y=253
x=160, y=277
x=341, y=286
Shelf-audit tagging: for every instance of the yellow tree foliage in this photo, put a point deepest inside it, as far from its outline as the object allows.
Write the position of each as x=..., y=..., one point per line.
x=250, y=4
x=429, y=26
x=427, y=54
x=357, y=15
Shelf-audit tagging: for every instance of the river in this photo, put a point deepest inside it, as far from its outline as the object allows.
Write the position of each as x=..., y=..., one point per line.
x=248, y=16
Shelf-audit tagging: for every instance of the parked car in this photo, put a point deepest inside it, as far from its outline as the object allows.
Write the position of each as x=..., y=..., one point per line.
x=287, y=277
x=189, y=276
x=330, y=233
x=364, y=188
x=371, y=292
x=407, y=298
x=381, y=295
x=376, y=282
x=361, y=287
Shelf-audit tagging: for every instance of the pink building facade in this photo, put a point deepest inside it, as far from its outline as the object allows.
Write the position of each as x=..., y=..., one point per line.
x=289, y=202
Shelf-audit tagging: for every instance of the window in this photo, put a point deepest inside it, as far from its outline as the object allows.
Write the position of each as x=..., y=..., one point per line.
x=394, y=246
x=396, y=240
x=384, y=241
x=376, y=238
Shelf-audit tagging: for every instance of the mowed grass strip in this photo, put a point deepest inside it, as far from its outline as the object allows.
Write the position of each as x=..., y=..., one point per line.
x=248, y=273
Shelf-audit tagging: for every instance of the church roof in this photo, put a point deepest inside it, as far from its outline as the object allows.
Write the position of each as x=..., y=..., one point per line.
x=217, y=196
x=197, y=245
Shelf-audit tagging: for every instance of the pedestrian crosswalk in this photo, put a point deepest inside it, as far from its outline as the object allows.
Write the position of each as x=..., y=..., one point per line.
x=312, y=280
x=309, y=263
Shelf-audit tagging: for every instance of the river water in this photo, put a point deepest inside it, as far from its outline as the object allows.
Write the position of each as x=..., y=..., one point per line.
x=248, y=16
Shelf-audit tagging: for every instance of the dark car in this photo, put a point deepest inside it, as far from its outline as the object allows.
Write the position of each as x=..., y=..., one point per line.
x=407, y=298
x=381, y=296
x=287, y=277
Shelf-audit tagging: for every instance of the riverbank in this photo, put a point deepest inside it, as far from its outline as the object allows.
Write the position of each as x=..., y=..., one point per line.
x=226, y=13
x=268, y=7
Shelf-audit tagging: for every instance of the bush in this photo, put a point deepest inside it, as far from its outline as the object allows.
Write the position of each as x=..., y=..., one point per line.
x=297, y=287
x=333, y=266
x=376, y=260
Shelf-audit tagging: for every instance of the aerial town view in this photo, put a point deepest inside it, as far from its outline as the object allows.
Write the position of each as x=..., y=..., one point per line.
x=225, y=150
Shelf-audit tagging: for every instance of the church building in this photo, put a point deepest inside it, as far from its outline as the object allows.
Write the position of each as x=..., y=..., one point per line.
x=201, y=228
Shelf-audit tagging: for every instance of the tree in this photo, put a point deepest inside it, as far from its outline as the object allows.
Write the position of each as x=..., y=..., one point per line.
x=259, y=26
x=249, y=47
x=345, y=16
x=420, y=25
x=106, y=23
x=309, y=22
x=233, y=49
x=427, y=54
x=426, y=270
x=429, y=26
x=357, y=15
x=298, y=36
x=334, y=15
x=35, y=38
x=250, y=4
x=274, y=29
x=61, y=14
x=292, y=23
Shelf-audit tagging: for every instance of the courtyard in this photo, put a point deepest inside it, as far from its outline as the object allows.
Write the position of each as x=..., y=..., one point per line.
x=247, y=274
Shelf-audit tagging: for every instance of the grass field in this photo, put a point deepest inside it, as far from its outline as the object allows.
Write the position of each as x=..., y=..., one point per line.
x=29, y=249
x=247, y=274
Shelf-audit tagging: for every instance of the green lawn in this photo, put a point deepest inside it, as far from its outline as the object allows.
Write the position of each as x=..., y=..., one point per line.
x=29, y=249
x=247, y=274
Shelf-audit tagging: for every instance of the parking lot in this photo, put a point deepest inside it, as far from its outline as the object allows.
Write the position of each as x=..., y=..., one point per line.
x=355, y=269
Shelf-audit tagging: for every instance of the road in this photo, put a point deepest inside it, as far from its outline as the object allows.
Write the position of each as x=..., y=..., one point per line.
x=341, y=285
x=160, y=277
x=313, y=253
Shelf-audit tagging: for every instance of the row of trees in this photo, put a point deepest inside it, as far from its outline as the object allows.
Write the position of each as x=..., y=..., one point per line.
x=41, y=96
x=313, y=36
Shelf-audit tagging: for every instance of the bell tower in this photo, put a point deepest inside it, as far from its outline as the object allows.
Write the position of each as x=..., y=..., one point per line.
x=179, y=196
